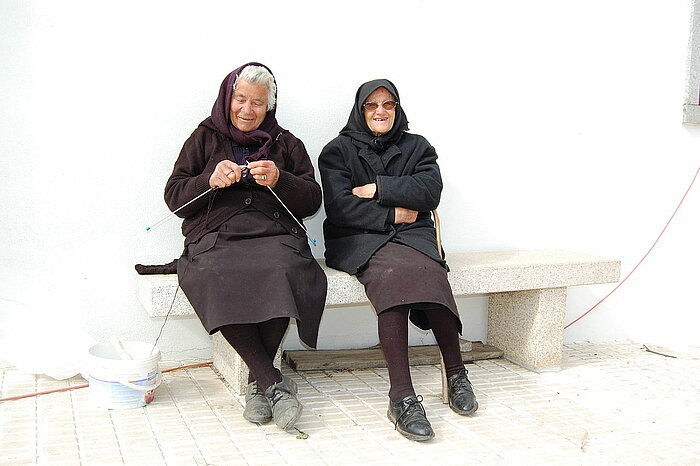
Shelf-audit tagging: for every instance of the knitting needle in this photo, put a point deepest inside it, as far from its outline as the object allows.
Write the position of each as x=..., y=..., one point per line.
x=243, y=168
x=313, y=241
x=171, y=214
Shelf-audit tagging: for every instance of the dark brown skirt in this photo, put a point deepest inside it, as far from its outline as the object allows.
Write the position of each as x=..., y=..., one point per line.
x=398, y=275
x=230, y=278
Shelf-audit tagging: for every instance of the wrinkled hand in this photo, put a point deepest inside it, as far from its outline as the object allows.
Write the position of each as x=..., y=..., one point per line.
x=366, y=192
x=265, y=172
x=403, y=215
x=225, y=174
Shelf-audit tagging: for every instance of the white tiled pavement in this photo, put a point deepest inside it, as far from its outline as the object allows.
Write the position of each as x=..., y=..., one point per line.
x=613, y=403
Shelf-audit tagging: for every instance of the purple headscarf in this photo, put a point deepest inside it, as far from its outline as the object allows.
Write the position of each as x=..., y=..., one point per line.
x=220, y=119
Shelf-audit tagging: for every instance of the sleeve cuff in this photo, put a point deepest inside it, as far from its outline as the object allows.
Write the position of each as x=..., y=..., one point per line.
x=377, y=192
x=203, y=182
x=391, y=217
x=284, y=181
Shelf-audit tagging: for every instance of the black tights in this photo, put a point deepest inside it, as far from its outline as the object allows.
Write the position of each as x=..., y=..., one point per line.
x=393, y=337
x=257, y=345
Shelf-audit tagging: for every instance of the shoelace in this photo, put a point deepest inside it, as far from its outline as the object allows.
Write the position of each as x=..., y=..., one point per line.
x=461, y=383
x=411, y=406
x=256, y=391
x=277, y=395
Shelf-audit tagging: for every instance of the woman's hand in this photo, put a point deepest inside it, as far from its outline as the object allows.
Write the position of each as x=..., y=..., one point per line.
x=265, y=172
x=403, y=215
x=366, y=192
x=225, y=174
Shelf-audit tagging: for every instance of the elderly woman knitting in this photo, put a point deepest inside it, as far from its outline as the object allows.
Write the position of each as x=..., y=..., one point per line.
x=380, y=184
x=247, y=268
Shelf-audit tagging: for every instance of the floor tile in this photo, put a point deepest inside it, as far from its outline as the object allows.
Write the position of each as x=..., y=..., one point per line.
x=612, y=402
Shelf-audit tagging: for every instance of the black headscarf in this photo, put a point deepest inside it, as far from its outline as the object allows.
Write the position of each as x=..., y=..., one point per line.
x=357, y=128
x=220, y=119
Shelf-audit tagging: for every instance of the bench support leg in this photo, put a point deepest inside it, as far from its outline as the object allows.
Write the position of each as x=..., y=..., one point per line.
x=443, y=379
x=231, y=366
x=529, y=326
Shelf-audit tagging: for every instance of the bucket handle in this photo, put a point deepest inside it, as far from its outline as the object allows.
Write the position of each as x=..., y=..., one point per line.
x=143, y=388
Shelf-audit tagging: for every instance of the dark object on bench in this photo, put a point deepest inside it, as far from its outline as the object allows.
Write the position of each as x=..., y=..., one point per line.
x=157, y=269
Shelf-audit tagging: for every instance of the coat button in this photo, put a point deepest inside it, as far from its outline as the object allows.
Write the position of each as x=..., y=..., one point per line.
x=276, y=215
x=248, y=201
x=295, y=230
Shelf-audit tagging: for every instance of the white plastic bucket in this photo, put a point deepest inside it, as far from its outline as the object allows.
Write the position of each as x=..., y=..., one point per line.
x=117, y=383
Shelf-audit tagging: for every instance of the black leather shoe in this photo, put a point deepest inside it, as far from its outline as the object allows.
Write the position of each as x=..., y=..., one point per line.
x=461, y=395
x=409, y=418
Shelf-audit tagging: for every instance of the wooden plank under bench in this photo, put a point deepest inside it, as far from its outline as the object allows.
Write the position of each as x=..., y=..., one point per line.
x=371, y=358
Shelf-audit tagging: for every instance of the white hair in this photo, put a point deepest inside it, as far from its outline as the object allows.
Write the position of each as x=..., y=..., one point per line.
x=260, y=75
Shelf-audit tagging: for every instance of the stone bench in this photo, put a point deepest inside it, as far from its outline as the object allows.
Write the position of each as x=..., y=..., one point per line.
x=526, y=301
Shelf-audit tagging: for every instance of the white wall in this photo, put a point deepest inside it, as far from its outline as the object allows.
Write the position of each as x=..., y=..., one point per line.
x=558, y=124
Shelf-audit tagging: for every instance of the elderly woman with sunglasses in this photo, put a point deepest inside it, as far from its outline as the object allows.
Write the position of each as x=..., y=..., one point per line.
x=380, y=184
x=247, y=267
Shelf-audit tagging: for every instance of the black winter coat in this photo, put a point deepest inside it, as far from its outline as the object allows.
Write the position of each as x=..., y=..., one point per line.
x=406, y=174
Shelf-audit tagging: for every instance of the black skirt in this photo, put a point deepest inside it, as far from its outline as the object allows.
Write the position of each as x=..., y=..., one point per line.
x=398, y=275
x=231, y=276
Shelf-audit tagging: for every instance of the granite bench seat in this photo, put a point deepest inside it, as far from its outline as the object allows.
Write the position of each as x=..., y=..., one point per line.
x=526, y=301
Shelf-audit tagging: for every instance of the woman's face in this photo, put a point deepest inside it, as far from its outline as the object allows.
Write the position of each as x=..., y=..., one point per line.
x=380, y=120
x=248, y=105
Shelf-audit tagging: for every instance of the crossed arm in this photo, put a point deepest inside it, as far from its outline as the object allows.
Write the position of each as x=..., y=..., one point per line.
x=377, y=205
x=401, y=214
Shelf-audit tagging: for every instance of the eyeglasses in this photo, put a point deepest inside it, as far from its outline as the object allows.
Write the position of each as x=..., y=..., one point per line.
x=372, y=106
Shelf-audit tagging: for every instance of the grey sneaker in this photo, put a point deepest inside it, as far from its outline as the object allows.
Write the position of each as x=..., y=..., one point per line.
x=257, y=408
x=286, y=408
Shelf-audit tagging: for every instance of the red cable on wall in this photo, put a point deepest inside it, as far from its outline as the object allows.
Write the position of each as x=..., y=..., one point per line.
x=642, y=259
